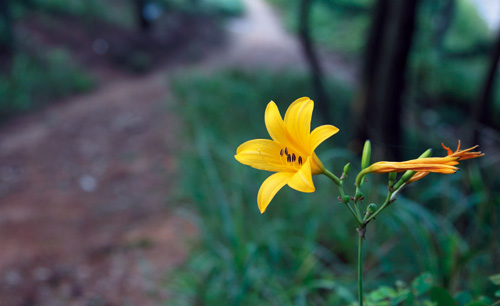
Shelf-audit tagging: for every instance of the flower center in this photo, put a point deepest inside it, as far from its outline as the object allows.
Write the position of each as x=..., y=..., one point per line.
x=290, y=158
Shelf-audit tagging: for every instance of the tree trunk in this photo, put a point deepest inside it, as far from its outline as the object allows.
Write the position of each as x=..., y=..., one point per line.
x=482, y=110
x=363, y=105
x=384, y=74
x=143, y=23
x=317, y=75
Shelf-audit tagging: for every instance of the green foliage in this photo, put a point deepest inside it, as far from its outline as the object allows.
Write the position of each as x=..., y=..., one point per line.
x=337, y=25
x=227, y=7
x=302, y=250
x=214, y=7
x=116, y=12
x=468, y=31
x=245, y=258
x=74, y=7
x=450, y=71
x=32, y=80
x=423, y=291
x=443, y=71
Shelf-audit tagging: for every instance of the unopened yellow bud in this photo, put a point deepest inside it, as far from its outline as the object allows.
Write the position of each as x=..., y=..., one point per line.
x=408, y=174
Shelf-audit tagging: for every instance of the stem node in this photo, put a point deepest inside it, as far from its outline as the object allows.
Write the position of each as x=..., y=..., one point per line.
x=362, y=230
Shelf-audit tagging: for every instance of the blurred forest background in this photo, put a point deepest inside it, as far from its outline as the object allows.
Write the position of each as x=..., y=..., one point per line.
x=119, y=121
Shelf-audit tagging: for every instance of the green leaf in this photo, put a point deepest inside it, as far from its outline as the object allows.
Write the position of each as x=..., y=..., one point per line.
x=497, y=293
x=423, y=283
x=441, y=297
x=409, y=299
x=463, y=298
x=476, y=304
x=495, y=279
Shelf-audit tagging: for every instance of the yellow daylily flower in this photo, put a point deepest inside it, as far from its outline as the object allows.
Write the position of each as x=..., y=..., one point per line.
x=460, y=154
x=290, y=153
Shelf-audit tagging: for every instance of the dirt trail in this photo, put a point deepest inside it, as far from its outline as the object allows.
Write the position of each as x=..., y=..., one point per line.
x=83, y=188
x=86, y=211
x=259, y=40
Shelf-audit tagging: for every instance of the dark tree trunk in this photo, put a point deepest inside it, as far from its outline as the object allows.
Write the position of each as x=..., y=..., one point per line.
x=393, y=73
x=317, y=75
x=6, y=32
x=143, y=23
x=384, y=74
x=363, y=105
x=482, y=110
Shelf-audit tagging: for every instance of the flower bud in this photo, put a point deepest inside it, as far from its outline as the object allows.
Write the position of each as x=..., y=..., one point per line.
x=408, y=174
x=347, y=168
x=358, y=195
x=371, y=209
x=392, y=178
x=367, y=152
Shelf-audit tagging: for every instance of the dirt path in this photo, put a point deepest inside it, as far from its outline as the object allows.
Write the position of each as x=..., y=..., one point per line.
x=83, y=188
x=87, y=214
x=260, y=40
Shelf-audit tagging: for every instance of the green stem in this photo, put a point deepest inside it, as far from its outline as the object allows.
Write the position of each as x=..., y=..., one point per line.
x=353, y=214
x=358, y=213
x=387, y=202
x=340, y=185
x=360, y=270
x=332, y=176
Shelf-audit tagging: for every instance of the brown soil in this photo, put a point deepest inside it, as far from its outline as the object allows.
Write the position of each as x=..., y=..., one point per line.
x=87, y=215
x=85, y=189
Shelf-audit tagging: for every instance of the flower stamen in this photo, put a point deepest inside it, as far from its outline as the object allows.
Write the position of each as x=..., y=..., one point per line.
x=289, y=158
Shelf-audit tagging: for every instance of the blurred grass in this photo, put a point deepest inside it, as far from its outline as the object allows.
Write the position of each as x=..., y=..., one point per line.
x=302, y=250
x=34, y=80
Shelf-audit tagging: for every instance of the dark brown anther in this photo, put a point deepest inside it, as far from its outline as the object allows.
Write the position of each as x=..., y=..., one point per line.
x=286, y=151
x=293, y=158
x=300, y=160
x=281, y=152
x=289, y=158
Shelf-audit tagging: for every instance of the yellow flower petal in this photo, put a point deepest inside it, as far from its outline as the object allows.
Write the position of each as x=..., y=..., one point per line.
x=298, y=121
x=463, y=154
x=386, y=167
x=302, y=180
x=290, y=153
x=418, y=176
x=274, y=124
x=262, y=154
x=322, y=133
x=270, y=187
